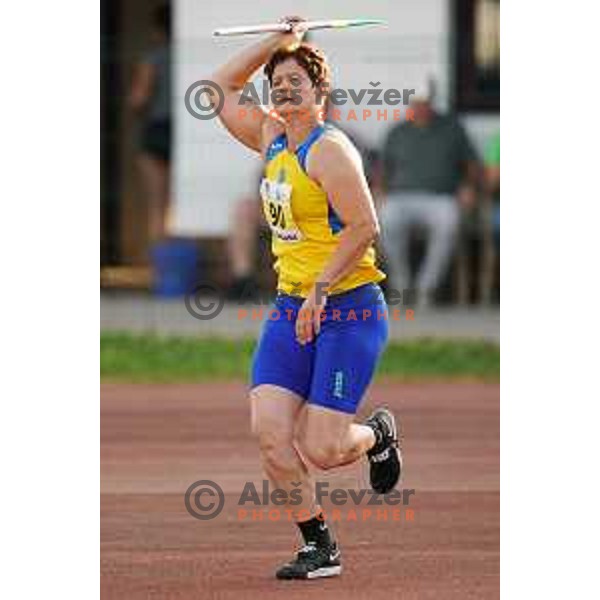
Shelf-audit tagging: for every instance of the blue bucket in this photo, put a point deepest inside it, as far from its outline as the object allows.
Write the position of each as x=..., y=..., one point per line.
x=175, y=266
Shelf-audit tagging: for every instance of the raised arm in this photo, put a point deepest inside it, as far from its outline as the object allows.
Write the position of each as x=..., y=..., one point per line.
x=253, y=129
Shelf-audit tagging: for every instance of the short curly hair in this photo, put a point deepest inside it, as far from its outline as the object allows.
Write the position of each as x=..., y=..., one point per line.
x=309, y=57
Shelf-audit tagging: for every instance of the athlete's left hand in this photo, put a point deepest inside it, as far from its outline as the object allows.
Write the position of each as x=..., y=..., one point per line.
x=292, y=40
x=308, y=322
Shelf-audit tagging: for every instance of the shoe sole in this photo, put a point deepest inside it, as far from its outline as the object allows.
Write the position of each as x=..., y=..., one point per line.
x=325, y=572
x=391, y=419
x=396, y=446
x=332, y=571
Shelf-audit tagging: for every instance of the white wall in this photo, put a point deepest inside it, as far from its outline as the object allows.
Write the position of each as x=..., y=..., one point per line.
x=212, y=170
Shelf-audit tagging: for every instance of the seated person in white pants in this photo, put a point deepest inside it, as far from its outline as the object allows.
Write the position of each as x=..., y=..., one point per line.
x=429, y=172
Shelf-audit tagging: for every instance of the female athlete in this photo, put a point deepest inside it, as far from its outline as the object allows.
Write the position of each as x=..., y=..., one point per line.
x=319, y=348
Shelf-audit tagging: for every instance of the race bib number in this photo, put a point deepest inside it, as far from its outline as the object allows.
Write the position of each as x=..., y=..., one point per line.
x=277, y=206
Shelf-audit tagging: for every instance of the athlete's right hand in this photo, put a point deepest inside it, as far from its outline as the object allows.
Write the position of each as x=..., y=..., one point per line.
x=292, y=40
x=310, y=316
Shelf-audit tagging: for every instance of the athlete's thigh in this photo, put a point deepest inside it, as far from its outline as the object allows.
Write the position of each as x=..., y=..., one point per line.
x=346, y=357
x=274, y=411
x=279, y=360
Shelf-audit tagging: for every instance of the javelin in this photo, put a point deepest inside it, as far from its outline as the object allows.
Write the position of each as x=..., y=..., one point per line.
x=287, y=27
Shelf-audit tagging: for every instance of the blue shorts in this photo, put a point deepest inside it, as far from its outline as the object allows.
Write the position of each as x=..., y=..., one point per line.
x=335, y=369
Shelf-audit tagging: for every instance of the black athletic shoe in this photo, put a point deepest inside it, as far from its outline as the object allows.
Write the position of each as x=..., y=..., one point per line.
x=312, y=562
x=385, y=458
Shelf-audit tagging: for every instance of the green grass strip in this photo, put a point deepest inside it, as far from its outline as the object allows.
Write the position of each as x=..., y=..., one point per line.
x=154, y=359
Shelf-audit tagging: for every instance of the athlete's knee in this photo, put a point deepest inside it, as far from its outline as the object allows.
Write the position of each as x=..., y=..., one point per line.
x=271, y=442
x=276, y=450
x=322, y=455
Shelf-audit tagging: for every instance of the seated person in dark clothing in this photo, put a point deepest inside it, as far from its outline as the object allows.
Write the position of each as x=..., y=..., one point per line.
x=429, y=173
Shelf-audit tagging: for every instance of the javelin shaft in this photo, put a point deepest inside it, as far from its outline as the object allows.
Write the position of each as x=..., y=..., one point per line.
x=250, y=29
x=286, y=27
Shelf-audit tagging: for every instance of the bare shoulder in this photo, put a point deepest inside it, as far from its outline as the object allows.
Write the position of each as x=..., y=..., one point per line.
x=333, y=150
